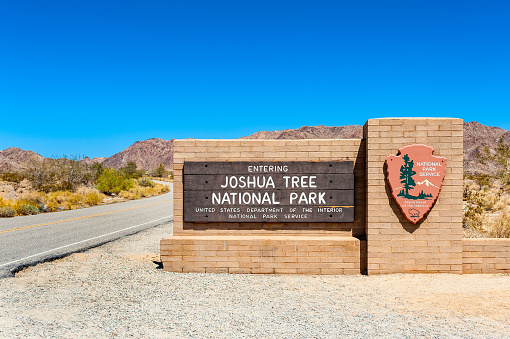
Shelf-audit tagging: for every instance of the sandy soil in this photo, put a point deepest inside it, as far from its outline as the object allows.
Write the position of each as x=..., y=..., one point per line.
x=117, y=290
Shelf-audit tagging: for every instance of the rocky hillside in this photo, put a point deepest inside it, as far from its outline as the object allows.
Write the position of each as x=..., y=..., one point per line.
x=147, y=155
x=312, y=132
x=476, y=138
x=92, y=161
x=15, y=159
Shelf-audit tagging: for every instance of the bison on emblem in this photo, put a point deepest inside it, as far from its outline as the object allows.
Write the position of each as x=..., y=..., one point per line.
x=414, y=213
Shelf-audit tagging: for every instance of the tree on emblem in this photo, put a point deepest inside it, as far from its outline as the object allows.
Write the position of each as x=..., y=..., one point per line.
x=406, y=176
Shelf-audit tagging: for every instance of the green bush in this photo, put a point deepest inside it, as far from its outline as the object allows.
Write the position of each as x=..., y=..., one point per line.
x=7, y=212
x=146, y=182
x=113, y=182
x=97, y=169
x=13, y=177
x=159, y=171
x=130, y=170
x=26, y=209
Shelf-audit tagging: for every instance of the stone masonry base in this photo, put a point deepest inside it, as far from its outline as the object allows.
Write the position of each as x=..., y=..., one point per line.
x=261, y=254
x=486, y=255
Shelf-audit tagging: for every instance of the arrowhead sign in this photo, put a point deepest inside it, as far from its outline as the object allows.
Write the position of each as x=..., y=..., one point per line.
x=415, y=177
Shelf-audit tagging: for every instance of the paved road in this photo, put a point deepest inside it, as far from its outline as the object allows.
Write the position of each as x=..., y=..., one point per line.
x=32, y=239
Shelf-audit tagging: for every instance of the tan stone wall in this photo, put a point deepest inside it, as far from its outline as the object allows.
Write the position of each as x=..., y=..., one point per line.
x=392, y=245
x=261, y=254
x=287, y=248
x=270, y=150
x=395, y=245
x=486, y=256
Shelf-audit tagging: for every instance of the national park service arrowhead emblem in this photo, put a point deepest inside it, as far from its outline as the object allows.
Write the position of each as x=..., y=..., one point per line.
x=415, y=177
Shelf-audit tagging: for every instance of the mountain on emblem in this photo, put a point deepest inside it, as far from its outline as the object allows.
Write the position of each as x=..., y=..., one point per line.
x=415, y=177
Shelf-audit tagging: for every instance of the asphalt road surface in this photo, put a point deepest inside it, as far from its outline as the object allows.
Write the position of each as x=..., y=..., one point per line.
x=28, y=240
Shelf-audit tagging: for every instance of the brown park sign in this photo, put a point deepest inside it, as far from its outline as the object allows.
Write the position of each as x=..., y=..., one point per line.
x=269, y=191
x=415, y=177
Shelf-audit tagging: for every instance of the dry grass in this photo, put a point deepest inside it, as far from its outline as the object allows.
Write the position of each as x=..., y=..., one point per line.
x=486, y=208
x=83, y=197
x=167, y=179
x=138, y=192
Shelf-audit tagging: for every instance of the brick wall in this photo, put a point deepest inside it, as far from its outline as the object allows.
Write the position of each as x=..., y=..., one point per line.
x=271, y=150
x=486, y=256
x=394, y=245
x=261, y=254
x=290, y=248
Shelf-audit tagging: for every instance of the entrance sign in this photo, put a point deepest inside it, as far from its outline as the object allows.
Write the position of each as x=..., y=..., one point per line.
x=415, y=177
x=258, y=206
x=268, y=191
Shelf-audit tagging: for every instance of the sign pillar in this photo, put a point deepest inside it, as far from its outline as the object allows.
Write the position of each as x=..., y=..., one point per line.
x=406, y=231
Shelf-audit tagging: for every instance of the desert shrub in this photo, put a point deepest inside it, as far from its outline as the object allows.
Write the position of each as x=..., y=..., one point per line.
x=37, y=199
x=66, y=197
x=131, y=171
x=138, y=192
x=93, y=198
x=72, y=173
x=486, y=207
x=42, y=175
x=113, y=182
x=66, y=173
x=51, y=206
x=97, y=169
x=6, y=202
x=489, y=200
x=7, y=212
x=146, y=182
x=25, y=202
x=90, y=196
x=481, y=179
x=475, y=205
x=84, y=190
x=14, y=177
x=163, y=189
x=61, y=200
x=132, y=194
x=156, y=190
x=504, y=202
x=159, y=171
x=148, y=192
x=110, y=181
x=26, y=209
x=498, y=226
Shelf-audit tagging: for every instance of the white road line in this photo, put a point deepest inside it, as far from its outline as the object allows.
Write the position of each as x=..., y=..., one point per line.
x=79, y=242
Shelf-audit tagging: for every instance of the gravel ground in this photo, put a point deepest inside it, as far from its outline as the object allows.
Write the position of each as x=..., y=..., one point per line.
x=116, y=290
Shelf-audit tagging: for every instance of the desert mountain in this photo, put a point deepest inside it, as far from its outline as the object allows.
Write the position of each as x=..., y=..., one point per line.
x=147, y=155
x=15, y=159
x=312, y=132
x=476, y=137
x=92, y=161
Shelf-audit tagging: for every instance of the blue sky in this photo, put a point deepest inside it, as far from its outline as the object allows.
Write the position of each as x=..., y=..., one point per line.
x=92, y=77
